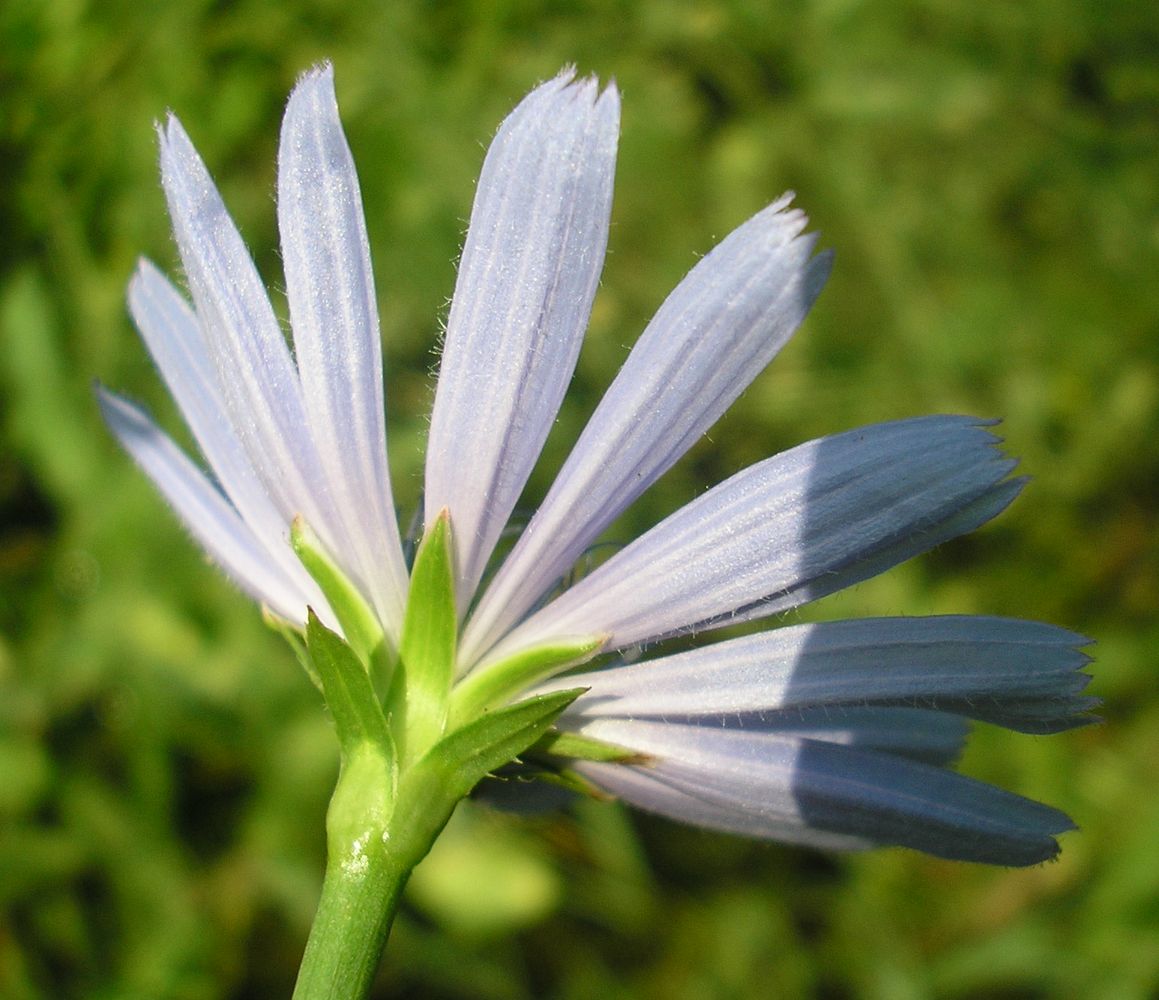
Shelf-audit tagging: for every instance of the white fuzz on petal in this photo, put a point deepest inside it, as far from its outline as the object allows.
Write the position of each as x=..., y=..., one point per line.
x=209, y=516
x=651, y=789
x=712, y=336
x=330, y=287
x=527, y=278
x=788, y=530
x=173, y=336
x=1023, y=675
x=256, y=375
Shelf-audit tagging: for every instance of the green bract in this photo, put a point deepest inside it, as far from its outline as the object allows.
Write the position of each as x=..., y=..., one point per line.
x=497, y=683
x=358, y=620
x=405, y=764
x=419, y=696
x=430, y=754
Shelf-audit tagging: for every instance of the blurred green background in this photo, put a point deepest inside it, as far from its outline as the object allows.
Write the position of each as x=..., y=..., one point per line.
x=987, y=175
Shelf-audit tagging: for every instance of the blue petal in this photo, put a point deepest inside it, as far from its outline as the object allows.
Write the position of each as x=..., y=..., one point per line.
x=788, y=530
x=713, y=335
x=527, y=278
x=255, y=373
x=771, y=782
x=208, y=515
x=330, y=288
x=1024, y=675
x=175, y=341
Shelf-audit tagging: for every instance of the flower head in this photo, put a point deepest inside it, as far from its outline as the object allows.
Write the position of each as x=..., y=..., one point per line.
x=836, y=734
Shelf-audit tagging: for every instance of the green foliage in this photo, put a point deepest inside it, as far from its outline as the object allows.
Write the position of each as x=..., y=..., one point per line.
x=986, y=173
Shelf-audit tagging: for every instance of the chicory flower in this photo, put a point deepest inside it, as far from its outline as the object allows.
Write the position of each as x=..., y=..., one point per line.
x=837, y=735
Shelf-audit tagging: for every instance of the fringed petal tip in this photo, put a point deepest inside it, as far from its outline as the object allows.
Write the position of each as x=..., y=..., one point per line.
x=784, y=224
x=313, y=87
x=319, y=72
x=570, y=78
x=145, y=267
x=565, y=87
x=173, y=140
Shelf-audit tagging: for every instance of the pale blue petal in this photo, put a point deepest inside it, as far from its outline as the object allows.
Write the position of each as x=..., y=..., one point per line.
x=788, y=530
x=814, y=785
x=646, y=788
x=207, y=514
x=1024, y=675
x=330, y=287
x=920, y=734
x=720, y=327
x=255, y=373
x=175, y=342
x=528, y=274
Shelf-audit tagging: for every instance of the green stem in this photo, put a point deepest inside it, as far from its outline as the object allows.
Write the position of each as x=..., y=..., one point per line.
x=350, y=929
x=372, y=847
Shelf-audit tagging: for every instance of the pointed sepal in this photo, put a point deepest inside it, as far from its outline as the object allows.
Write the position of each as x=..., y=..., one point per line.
x=419, y=701
x=348, y=692
x=500, y=682
x=575, y=746
x=359, y=623
x=461, y=760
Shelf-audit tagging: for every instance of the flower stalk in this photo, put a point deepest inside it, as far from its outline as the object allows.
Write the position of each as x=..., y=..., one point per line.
x=402, y=772
x=367, y=867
